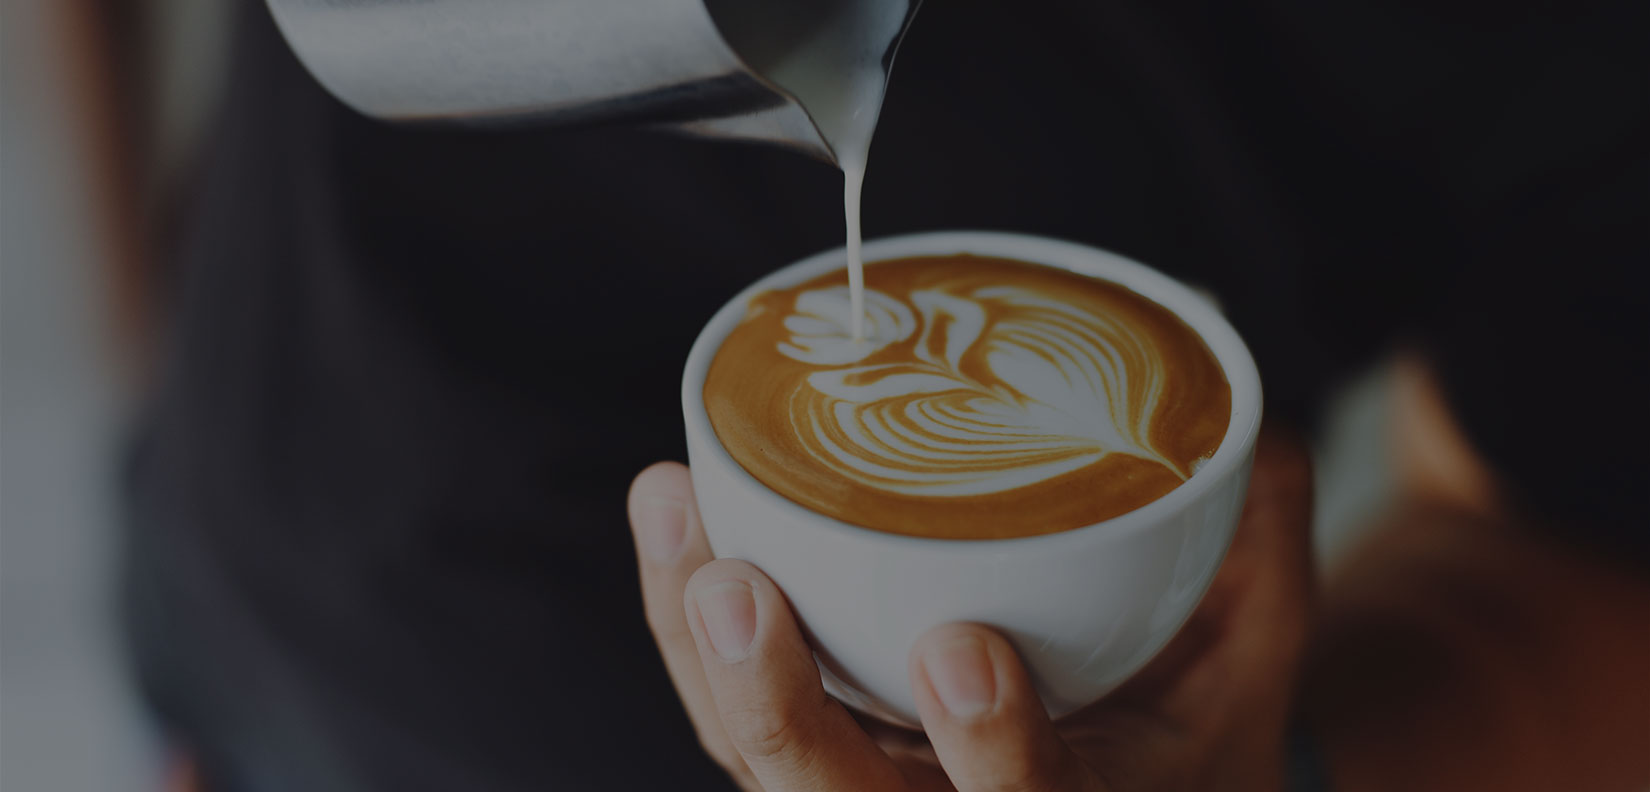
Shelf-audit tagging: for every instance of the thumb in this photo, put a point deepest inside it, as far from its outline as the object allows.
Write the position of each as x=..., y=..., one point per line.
x=987, y=725
x=767, y=690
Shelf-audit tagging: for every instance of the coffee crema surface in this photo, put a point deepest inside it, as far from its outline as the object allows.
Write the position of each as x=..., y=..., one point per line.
x=989, y=399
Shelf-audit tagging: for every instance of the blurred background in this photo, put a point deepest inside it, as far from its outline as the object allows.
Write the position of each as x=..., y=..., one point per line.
x=68, y=719
x=69, y=306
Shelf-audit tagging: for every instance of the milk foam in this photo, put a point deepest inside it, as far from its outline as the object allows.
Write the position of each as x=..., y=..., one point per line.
x=1007, y=388
x=988, y=398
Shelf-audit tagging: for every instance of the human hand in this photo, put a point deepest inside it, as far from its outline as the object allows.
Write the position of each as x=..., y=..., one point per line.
x=1208, y=713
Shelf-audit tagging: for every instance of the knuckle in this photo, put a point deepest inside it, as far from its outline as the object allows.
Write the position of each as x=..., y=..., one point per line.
x=1048, y=774
x=766, y=732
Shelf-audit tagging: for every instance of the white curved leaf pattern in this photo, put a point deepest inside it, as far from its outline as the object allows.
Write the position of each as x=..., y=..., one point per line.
x=1053, y=389
x=822, y=325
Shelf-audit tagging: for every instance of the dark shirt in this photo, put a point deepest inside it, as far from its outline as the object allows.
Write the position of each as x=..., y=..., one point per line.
x=377, y=534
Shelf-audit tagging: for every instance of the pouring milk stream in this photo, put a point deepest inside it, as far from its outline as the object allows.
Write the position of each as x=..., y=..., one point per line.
x=830, y=58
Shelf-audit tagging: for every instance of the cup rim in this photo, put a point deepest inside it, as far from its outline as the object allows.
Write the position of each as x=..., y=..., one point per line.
x=1197, y=311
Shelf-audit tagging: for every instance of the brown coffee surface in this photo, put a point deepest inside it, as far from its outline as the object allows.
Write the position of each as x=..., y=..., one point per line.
x=990, y=398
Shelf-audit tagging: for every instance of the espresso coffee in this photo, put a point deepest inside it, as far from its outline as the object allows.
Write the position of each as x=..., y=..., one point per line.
x=988, y=398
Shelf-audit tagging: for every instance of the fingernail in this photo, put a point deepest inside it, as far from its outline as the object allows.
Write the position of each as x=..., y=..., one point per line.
x=960, y=671
x=729, y=611
x=661, y=524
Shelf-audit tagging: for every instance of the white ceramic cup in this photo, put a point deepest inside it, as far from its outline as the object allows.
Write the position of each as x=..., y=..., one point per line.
x=1085, y=608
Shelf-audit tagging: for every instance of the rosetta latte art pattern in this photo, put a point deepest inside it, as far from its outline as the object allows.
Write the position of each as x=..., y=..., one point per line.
x=989, y=398
x=985, y=405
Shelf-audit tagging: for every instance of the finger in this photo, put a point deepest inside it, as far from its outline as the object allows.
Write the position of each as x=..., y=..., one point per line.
x=1271, y=555
x=1275, y=528
x=670, y=545
x=767, y=689
x=1238, y=652
x=988, y=726
x=1252, y=620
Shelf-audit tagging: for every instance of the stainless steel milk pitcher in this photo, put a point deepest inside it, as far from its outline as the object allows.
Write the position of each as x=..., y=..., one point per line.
x=689, y=63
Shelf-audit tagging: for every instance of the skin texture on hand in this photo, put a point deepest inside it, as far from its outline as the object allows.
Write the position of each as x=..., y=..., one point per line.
x=1208, y=713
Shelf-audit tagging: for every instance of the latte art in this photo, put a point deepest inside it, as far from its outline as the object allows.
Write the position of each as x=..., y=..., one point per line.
x=822, y=326
x=1047, y=390
x=980, y=385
